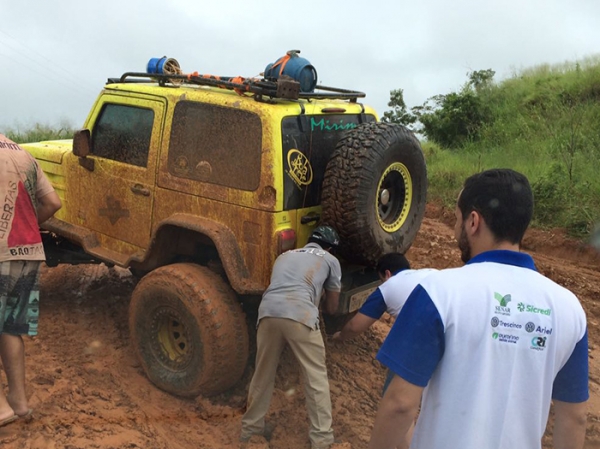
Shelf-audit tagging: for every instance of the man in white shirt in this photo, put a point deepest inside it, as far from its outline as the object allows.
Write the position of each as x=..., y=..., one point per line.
x=484, y=349
x=398, y=282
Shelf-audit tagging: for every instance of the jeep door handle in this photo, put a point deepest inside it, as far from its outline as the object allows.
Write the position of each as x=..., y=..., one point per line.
x=139, y=189
x=305, y=219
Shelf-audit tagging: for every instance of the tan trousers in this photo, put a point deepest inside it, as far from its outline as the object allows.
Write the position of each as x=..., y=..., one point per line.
x=308, y=348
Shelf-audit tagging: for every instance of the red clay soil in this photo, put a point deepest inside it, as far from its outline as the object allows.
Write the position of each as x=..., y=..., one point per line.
x=89, y=391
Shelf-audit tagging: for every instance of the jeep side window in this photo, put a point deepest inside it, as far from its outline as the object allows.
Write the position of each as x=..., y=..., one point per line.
x=215, y=144
x=122, y=133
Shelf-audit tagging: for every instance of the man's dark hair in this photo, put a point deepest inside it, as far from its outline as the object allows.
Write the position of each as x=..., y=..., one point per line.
x=504, y=199
x=394, y=262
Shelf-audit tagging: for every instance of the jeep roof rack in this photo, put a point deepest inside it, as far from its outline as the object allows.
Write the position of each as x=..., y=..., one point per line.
x=283, y=87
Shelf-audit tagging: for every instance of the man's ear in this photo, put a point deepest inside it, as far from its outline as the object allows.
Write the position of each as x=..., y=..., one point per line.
x=474, y=222
x=388, y=274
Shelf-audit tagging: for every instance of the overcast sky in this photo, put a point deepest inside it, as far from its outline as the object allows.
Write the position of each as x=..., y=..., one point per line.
x=56, y=55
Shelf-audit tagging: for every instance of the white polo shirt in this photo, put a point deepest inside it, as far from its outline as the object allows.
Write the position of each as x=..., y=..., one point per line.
x=393, y=293
x=493, y=342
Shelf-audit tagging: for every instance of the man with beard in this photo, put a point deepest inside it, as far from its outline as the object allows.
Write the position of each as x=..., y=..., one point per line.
x=485, y=348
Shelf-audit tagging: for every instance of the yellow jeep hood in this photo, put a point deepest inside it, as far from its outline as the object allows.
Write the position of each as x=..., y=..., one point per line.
x=50, y=150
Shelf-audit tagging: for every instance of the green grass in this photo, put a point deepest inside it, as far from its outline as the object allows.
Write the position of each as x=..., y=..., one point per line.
x=39, y=132
x=545, y=125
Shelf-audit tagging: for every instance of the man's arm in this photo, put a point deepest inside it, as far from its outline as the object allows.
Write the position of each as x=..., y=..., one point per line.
x=358, y=324
x=396, y=413
x=370, y=312
x=570, y=393
x=47, y=206
x=569, y=424
x=332, y=300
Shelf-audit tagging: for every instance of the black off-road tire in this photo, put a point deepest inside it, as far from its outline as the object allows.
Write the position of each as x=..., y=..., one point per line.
x=188, y=330
x=375, y=191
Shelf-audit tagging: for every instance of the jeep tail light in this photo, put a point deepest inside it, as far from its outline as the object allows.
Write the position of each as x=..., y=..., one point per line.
x=286, y=240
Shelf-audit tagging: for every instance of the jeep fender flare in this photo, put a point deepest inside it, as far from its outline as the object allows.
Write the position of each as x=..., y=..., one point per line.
x=224, y=240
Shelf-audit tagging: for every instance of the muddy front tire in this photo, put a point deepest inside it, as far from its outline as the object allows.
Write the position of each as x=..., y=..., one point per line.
x=374, y=191
x=188, y=330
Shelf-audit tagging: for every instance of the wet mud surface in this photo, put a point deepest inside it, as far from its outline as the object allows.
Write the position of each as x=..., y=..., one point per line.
x=89, y=391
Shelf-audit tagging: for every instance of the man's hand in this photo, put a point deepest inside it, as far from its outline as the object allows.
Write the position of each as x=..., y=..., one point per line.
x=358, y=324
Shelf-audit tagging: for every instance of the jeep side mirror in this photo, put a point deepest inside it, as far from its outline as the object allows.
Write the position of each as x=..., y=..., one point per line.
x=81, y=147
x=82, y=142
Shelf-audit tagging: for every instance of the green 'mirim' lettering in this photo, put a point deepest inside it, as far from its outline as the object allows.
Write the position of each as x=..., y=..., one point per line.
x=326, y=125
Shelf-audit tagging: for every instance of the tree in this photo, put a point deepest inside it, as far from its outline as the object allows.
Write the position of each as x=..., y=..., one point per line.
x=480, y=79
x=453, y=119
x=399, y=112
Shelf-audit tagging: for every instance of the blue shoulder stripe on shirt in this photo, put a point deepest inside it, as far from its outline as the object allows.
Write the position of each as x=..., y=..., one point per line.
x=571, y=382
x=374, y=306
x=416, y=342
x=506, y=257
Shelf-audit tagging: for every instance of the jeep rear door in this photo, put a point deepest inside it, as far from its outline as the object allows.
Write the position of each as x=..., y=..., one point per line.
x=116, y=185
x=308, y=141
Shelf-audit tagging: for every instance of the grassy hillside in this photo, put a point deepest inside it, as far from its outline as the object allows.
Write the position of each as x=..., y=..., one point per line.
x=545, y=123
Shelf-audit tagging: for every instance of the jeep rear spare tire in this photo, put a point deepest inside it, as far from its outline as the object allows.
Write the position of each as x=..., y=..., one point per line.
x=374, y=191
x=188, y=330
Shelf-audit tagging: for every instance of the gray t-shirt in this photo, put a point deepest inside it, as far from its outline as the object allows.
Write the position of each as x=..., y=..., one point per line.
x=297, y=282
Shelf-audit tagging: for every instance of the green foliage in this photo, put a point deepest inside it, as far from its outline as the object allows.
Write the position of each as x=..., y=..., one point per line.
x=457, y=118
x=399, y=112
x=560, y=202
x=481, y=79
x=454, y=119
x=542, y=122
x=40, y=132
x=550, y=195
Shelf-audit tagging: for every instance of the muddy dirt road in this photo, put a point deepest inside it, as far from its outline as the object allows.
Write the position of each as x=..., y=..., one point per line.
x=88, y=390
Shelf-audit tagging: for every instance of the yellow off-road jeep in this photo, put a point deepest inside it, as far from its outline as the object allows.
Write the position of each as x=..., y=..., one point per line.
x=197, y=183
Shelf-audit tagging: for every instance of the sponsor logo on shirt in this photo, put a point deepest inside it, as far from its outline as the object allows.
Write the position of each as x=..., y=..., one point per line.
x=522, y=307
x=538, y=343
x=502, y=307
x=505, y=338
x=530, y=327
x=511, y=325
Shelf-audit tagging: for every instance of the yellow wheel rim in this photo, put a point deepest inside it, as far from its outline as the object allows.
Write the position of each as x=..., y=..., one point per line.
x=394, y=197
x=172, y=342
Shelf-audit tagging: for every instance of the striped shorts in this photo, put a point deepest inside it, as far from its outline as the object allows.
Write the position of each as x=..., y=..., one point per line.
x=19, y=296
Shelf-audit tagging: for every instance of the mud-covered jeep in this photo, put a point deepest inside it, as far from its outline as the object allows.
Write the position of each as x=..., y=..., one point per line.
x=197, y=183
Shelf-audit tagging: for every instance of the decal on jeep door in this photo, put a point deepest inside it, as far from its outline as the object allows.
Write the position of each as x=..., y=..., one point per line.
x=113, y=210
x=299, y=168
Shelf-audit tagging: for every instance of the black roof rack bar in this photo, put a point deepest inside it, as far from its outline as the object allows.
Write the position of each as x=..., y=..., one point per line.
x=258, y=87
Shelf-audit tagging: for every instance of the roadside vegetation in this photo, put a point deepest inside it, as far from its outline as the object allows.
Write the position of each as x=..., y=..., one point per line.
x=39, y=132
x=543, y=122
